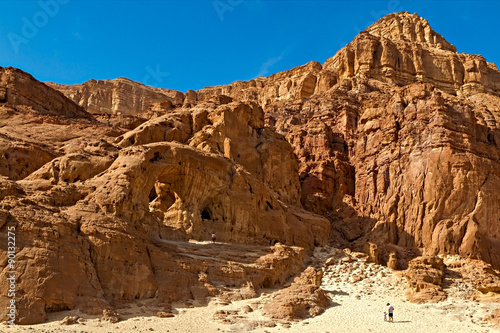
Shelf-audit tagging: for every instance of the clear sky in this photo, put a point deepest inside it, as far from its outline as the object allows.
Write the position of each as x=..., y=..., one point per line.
x=188, y=44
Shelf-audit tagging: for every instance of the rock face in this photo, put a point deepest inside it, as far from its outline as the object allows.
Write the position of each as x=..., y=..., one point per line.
x=120, y=96
x=299, y=82
x=372, y=158
x=102, y=215
x=402, y=48
x=391, y=147
x=304, y=298
x=20, y=88
x=425, y=275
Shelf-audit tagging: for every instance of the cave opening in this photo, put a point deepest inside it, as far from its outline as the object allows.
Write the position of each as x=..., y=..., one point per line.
x=152, y=194
x=206, y=214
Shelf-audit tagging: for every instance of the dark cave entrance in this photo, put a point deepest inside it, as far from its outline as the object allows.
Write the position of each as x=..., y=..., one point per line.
x=206, y=214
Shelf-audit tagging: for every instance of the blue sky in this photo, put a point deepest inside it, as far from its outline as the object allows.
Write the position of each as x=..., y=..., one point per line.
x=188, y=44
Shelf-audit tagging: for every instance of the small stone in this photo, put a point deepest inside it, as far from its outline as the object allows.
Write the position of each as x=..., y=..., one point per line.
x=246, y=309
x=162, y=314
x=70, y=320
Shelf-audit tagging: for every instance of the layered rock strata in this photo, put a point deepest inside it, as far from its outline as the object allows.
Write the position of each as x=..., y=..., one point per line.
x=120, y=96
x=103, y=215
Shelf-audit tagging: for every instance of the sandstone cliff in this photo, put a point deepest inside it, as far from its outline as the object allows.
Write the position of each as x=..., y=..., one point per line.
x=103, y=215
x=402, y=48
x=120, y=96
x=404, y=165
x=399, y=142
x=20, y=88
x=399, y=49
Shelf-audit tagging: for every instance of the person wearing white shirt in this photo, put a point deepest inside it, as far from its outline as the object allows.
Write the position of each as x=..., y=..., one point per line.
x=390, y=309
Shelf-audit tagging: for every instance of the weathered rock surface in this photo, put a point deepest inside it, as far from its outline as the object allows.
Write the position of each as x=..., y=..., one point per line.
x=425, y=275
x=408, y=166
x=304, y=298
x=299, y=82
x=402, y=48
x=103, y=215
x=383, y=142
x=481, y=275
x=20, y=88
x=120, y=96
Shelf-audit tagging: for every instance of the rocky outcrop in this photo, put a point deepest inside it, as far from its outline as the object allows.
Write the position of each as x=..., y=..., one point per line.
x=212, y=196
x=393, y=261
x=20, y=88
x=401, y=157
x=403, y=165
x=481, y=275
x=299, y=82
x=107, y=221
x=19, y=158
x=425, y=276
x=402, y=48
x=303, y=299
x=120, y=96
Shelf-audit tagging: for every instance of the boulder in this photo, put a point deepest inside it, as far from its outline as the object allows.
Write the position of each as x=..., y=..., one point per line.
x=425, y=276
x=304, y=298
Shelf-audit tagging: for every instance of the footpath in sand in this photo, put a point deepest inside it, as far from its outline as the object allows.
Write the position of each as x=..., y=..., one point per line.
x=358, y=291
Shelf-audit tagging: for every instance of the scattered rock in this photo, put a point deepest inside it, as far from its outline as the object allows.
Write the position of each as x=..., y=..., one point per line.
x=70, y=320
x=425, y=276
x=393, y=261
x=246, y=309
x=164, y=314
x=267, y=323
x=300, y=300
x=110, y=315
x=494, y=318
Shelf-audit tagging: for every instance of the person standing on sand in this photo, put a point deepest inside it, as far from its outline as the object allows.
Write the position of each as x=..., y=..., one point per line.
x=390, y=309
x=213, y=238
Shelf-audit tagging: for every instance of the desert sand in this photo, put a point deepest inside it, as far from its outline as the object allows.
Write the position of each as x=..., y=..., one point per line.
x=356, y=307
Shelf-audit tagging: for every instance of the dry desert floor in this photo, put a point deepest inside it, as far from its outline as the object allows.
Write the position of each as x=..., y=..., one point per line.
x=356, y=307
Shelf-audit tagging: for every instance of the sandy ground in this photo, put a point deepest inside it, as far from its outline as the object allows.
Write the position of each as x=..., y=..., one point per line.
x=356, y=307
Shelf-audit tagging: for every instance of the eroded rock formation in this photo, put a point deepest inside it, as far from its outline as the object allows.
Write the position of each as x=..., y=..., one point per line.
x=402, y=48
x=120, y=96
x=102, y=214
x=425, y=275
x=303, y=298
